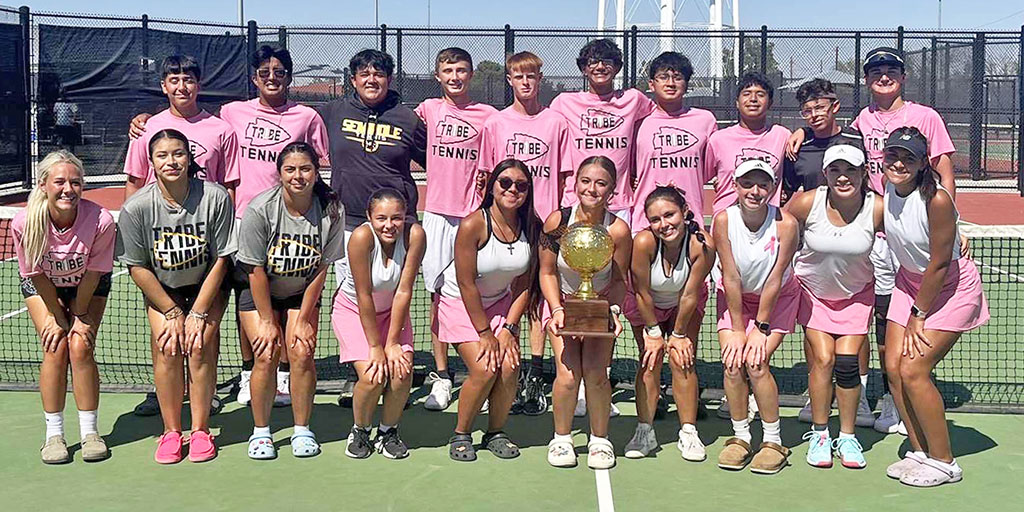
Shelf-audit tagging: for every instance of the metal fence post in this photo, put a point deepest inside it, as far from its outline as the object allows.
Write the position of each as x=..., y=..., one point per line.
x=856, y=73
x=935, y=72
x=282, y=37
x=25, y=61
x=741, y=53
x=764, y=49
x=624, y=72
x=510, y=48
x=1020, y=113
x=250, y=37
x=146, y=70
x=976, y=107
x=399, y=76
x=899, y=38
x=632, y=56
x=383, y=38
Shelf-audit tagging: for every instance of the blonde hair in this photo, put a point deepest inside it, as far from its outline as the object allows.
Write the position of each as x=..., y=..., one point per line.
x=37, y=212
x=524, y=62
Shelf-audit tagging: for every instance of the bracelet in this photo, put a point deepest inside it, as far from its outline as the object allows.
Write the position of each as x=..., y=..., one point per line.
x=173, y=313
x=79, y=315
x=198, y=316
x=485, y=329
x=615, y=309
x=680, y=335
x=556, y=310
x=653, y=331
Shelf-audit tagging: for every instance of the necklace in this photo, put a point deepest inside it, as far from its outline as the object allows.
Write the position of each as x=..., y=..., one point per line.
x=511, y=234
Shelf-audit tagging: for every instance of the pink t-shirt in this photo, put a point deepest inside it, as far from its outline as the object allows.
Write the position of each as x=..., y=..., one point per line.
x=604, y=125
x=727, y=148
x=87, y=245
x=453, y=154
x=540, y=141
x=670, y=151
x=262, y=132
x=876, y=126
x=212, y=142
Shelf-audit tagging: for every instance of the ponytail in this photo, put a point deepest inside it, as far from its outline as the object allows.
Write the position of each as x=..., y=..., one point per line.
x=926, y=183
x=37, y=211
x=676, y=196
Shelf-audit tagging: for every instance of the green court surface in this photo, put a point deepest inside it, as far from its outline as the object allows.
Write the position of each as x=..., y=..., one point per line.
x=988, y=447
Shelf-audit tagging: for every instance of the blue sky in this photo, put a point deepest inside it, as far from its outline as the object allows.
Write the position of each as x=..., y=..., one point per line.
x=956, y=14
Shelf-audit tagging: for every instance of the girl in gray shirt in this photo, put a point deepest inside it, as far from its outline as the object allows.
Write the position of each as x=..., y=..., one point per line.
x=175, y=236
x=292, y=233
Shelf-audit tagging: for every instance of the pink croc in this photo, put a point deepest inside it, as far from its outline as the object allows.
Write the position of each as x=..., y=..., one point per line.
x=201, y=447
x=168, y=448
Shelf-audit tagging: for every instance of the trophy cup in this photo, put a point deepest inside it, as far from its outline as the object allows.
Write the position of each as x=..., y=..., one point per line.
x=586, y=249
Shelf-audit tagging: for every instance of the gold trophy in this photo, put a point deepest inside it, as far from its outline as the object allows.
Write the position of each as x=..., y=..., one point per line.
x=587, y=249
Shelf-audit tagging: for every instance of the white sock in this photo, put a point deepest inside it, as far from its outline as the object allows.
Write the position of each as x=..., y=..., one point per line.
x=87, y=423
x=920, y=455
x=261, y=431
x=948, y=466
x=563, y=438
x=54, y=423
x=741, y=429
x=863, y=382
x=689, y=428
x=583, y=392
x=844, y=435
x=383, y=429
x=594, y=439
x=772, y=431
x=300, y=430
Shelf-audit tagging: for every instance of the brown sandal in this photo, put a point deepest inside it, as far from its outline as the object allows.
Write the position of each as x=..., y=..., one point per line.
x=736, y=454
x=770, y=459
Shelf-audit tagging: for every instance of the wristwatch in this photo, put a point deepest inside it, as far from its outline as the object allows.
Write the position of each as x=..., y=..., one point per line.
x=917, y=312
x=763, y=327
x=512, y=328
x=653, y=331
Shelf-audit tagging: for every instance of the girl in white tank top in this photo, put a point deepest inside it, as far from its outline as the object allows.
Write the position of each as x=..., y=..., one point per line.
x=498, y=263
x=834, y=262
x=384, y=274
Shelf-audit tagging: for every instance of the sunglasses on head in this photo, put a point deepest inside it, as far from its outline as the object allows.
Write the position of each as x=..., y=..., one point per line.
x=506, y=183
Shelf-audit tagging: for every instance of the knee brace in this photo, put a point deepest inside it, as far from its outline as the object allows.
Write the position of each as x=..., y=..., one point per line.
x=846, y=371
x=881, y=312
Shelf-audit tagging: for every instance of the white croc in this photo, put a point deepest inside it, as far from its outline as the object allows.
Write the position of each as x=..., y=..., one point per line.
x=262, y=447
x=932, y=473
x=600, y=454
x=561, y=454
x=908, y=463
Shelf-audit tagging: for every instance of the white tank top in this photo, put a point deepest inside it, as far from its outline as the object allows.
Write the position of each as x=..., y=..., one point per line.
x=755, y=253
x=383, y=277
x=906, y=228
x=665, y=288
x=570, y=279
x=498, y=263
x=834, y=262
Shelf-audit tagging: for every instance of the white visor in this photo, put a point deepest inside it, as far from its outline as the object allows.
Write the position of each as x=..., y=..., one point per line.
x=845, y=152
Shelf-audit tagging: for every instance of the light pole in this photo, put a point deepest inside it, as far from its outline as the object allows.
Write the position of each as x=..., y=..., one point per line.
x=241, y=14
x=940, y=14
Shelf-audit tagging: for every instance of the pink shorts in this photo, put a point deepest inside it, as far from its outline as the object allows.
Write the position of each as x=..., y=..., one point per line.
x=783, y=318
x=349, y=330
x=960, y=305
x=632, y=312
x=454, y=325
x=838, y=317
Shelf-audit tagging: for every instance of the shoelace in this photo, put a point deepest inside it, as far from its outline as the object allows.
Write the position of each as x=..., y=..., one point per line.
x=839, y=443
x=810, y=434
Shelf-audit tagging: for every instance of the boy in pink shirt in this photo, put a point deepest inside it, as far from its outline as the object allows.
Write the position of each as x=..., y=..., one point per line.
x=670, y=142
x=454, y=127
x=751, y=138
x=603, y=120
x=213, y=142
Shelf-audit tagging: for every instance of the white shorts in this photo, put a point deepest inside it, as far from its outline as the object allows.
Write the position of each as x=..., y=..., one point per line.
x=342, y=263
x=440, y=231
x=885, y=265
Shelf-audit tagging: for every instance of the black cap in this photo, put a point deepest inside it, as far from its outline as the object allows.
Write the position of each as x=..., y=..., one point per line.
x=915, y=143
x=883, y=56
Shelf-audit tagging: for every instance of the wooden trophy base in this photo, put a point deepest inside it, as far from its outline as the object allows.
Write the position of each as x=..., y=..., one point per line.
x=589, y=318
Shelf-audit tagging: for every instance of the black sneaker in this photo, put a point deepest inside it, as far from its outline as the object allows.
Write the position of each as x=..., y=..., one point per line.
x=517, y=405
x=149, y=406
x=535, y=401
x=390, y=445
x=216, y=405
x=661, y=409
x=359, y=446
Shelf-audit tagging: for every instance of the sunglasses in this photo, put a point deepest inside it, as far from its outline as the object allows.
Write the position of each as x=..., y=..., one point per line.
x=507, y=183
x=279, y=74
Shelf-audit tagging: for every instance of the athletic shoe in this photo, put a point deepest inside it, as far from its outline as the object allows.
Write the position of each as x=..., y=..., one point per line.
x=440, y=393
x=909, y=462
x=889, y=418
x=94, y=448
x=752, y=412
x=901, y=428
x=643, y=443
x=358, y=446
x=819, y=449
x=535, y=402
x=390, y=445
x=614, y=411
x=581, y=402
x=865, y=418
x=690, y=446
x=345, y=399
x=216, y=404
x=149, y=406
x=581, y=409
x=850, y=452
x=805, y=415
x=561, y=454
x=486, y=406
x=600, y=454
x=661, y=409
x=168, y=448
x=244, y=394
x=55, y=451
x=283, y=396
x=201, y=447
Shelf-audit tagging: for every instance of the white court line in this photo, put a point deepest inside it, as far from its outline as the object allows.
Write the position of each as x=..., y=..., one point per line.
x=17, y=312
x=605, y=503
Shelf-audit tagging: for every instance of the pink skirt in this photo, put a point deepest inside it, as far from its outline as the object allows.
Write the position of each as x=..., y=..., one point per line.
x=352, y=344
x=960, y=305
x=454, y=325
x=837, y=317
x=632, y=312
x=783, y=318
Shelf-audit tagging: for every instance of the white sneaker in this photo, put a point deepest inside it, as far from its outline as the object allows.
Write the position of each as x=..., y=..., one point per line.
x=690, y=446
x=283, y=396
x=486, y=406
x=723, y=409
x=581, y=402
x=865, y=418
x=752, y=412
x=600, y=454
x=901, y=428
x=244, y=395
x=440, y=393
x=889, y=418
x=643, y=443
x=561, y=454
x=614, y=411
x=805, y=415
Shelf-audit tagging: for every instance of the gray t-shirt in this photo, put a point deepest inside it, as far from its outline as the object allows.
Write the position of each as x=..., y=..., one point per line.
x=179, y=244
x=290, y=249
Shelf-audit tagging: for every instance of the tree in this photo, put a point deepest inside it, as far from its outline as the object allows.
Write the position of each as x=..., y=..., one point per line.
x=751, y=58
x=488, y=84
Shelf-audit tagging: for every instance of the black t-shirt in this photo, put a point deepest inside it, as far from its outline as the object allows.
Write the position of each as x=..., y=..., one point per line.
x=805, y=173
